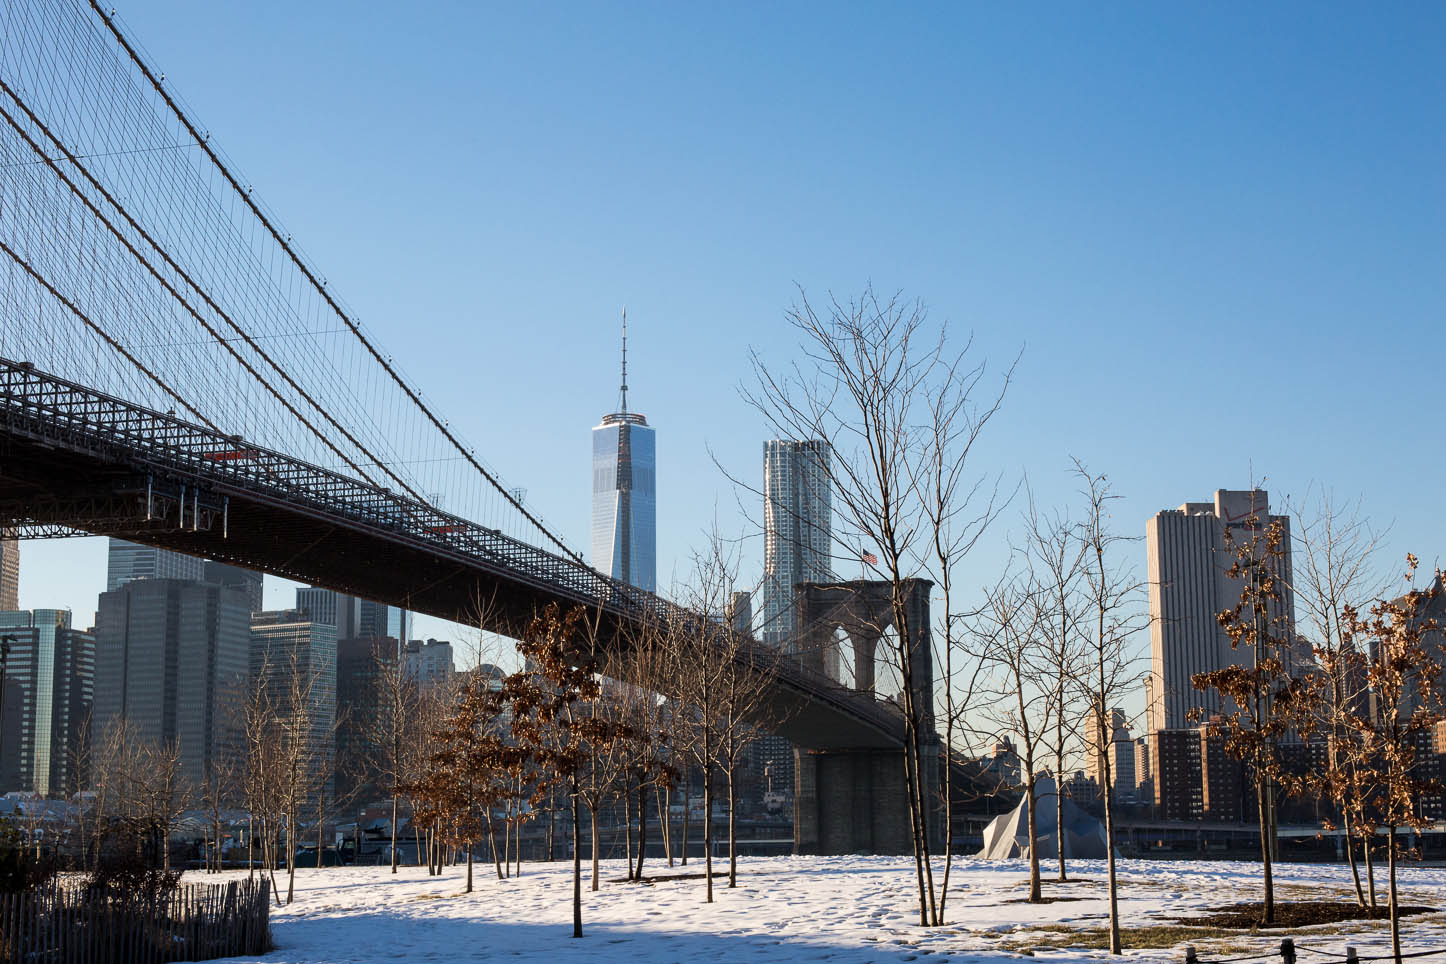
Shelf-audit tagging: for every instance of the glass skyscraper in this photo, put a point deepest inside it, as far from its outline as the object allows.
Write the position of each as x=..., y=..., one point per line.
x=49, y=684
x=797, y=530
x=171, y=658
x=624, y=502
x=127, y=561
x=353, y=618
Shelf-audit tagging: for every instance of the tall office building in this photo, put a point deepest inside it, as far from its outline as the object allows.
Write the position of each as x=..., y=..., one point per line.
x=740, y=612
x=49, y=684
x=624, y=498
x=248, y=581
x=289, y=645
x=374, y=619
x=9, y=575
x=797, y=530
x=127, y=561
x=172, y=658
x=431, y=662
x=1188, y=560
x=353, y=618
x=797, y=533
x=1119, y=751
x=361, y=668
x=328, y=606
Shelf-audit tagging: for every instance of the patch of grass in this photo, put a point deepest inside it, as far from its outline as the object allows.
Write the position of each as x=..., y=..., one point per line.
x=1247, y=916
x=1053, y=937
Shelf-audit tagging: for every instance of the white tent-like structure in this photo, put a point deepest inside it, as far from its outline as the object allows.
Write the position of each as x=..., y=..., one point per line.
x=1008, y=834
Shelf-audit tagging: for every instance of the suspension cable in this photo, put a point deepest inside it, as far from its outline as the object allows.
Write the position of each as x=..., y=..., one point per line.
x=320, y=286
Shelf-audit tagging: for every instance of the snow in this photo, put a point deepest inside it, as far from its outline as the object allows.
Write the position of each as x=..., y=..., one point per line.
x=846, y=910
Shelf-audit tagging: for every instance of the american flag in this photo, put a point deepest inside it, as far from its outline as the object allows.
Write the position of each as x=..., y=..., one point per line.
x=871, y=559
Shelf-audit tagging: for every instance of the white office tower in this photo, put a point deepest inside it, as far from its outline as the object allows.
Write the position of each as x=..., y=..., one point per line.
x=797, y=531
x=1188, y=561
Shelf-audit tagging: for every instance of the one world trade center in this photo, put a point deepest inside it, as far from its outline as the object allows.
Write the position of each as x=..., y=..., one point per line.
x=624, y=505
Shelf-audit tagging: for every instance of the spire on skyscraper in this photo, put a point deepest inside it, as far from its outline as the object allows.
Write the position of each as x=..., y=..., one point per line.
x=623, y=401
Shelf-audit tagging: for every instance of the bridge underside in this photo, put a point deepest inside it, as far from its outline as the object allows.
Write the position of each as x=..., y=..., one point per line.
x=52, y=484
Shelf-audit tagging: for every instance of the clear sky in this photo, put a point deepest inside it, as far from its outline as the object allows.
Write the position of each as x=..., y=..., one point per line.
x=1217, y=231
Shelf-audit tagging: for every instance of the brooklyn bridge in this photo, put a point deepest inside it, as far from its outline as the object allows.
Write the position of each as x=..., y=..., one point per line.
x=174, y=370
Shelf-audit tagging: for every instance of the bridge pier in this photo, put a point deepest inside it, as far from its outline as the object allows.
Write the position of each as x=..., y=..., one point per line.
x=856, y=802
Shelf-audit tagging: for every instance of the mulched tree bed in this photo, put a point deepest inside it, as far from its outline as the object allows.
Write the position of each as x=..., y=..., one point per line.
x=1042, y=900
x=1294, y=913
x=663, y=878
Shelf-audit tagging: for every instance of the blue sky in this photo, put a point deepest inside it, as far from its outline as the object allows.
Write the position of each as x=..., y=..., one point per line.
x=1215, y=230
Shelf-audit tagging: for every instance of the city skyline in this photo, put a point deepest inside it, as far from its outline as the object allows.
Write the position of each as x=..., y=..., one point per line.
x=332, y=292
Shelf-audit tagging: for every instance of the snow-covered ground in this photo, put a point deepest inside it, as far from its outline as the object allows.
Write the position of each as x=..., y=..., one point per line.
x=840, y=909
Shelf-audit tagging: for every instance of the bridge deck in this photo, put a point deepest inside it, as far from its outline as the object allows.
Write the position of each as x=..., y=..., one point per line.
x=72, y=458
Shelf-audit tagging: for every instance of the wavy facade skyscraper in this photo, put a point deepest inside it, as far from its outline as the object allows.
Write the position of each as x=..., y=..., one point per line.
x=624, y=501
x=797, y=530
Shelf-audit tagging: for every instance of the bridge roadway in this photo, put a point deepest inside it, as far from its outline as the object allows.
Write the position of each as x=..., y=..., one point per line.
x=72, y=458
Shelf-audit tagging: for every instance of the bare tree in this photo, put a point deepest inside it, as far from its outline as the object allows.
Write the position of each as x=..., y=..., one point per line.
x=1114, y=603
x=1333, y=567
x=874, y=372
x=392, y=732
x=958, y=508
x=1007, y=638
x=1056, y=554
x=289, y=727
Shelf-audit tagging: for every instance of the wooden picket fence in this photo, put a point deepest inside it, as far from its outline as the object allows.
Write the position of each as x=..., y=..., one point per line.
x=63, y=923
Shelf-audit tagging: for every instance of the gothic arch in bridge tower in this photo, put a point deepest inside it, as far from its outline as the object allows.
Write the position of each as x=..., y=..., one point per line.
x=853, y=799
x=863, y=610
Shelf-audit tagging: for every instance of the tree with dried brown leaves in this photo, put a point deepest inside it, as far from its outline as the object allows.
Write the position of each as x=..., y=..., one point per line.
x=1269, y=702
x=1405, y=671
x=549, y=719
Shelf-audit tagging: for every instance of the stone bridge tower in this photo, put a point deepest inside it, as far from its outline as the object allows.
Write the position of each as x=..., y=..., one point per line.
x=855, y=799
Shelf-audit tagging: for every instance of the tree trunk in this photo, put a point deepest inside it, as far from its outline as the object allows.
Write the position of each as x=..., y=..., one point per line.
x=1346, y=836
x=469, y=866
x=320, y=825
x=417, y=836
x=1366, y=840
x=1115, y=946
x=708, y=828
x=592, y=821
x=492, y=842
x=642, y=827
x=551, y=821
x=732, y=834
x=1394, y=907
x=687, y=809
x=627, y=830
x=1059, y=802
x=290, y=856
x=1034, y=893
x=577, y=864
x=1263, y=806
x=394, y=833
x=664, y=801
x=913, y=785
